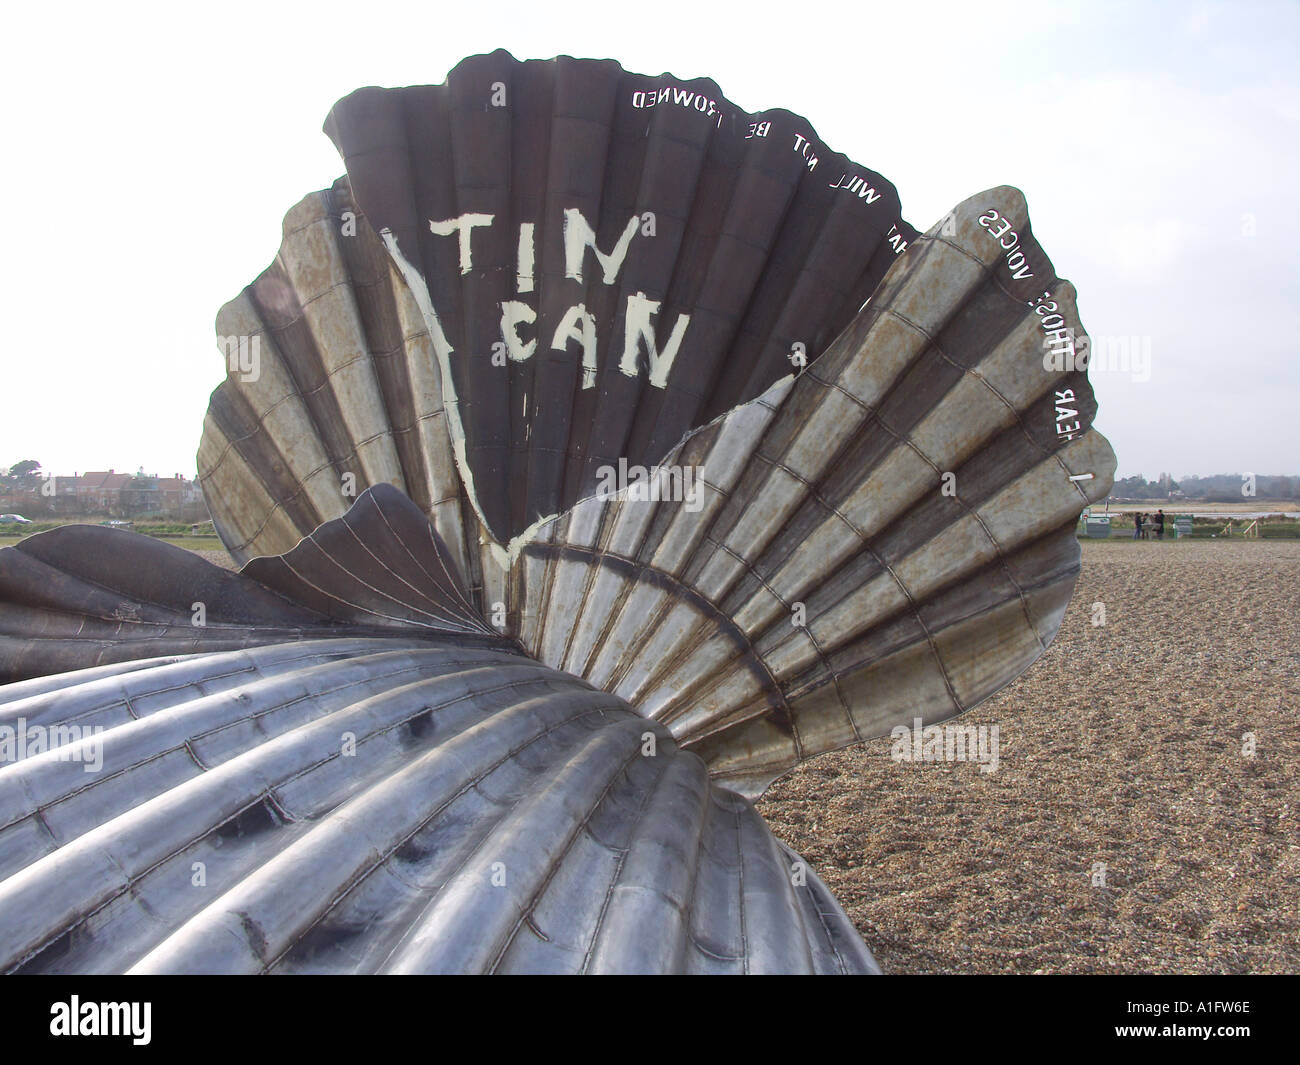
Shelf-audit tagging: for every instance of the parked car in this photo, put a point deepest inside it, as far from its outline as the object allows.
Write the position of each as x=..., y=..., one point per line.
x=14, y=519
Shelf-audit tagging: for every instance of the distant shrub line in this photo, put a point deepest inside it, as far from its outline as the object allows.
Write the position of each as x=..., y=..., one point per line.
x=1275, y=528
x=158, y=529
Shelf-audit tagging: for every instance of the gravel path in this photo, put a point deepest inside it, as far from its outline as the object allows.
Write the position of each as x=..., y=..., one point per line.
x=217, y=558
x=1122, y=745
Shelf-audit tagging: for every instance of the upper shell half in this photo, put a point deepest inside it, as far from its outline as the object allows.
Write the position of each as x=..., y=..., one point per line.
x=599, y=262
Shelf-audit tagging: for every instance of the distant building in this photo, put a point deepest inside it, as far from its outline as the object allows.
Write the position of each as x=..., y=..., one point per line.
x=100, y=492
x=107, y=493
x=176, y=492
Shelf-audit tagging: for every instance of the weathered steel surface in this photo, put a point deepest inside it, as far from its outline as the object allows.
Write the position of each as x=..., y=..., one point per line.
x=382, y=806
x=543, y=334
x=374, y=782
x=344, y=392
x=829, y=581
x=554, y=208
x=82, y=596
x=909, y=496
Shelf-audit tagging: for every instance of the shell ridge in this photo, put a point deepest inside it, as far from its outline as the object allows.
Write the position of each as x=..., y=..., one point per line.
x=292, y=501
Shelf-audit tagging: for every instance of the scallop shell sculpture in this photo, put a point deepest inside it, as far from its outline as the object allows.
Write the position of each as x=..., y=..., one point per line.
x=605, y=452
x=343, y=771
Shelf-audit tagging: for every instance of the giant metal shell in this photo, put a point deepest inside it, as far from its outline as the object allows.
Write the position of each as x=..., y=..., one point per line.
x=887, y=449
x=431, y=801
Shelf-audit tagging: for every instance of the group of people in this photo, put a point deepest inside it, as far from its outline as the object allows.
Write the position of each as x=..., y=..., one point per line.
x=1144, y=523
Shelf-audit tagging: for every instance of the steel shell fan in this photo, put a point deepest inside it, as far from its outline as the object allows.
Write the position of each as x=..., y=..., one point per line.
x=596, y=453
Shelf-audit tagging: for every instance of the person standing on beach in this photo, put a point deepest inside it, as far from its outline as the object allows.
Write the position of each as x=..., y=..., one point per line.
x=1160, y=524
x=1137, y=526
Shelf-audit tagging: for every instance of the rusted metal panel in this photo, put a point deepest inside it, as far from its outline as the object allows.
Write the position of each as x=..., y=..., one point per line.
x=526, y=202
x=338, y=389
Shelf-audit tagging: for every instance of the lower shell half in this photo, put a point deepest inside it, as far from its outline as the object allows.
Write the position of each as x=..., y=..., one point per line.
x=435, y=803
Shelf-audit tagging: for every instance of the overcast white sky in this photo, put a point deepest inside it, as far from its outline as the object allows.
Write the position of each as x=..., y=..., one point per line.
x=151, y=152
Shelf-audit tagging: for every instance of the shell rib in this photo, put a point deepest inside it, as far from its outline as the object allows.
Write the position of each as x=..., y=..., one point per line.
x=79, y=597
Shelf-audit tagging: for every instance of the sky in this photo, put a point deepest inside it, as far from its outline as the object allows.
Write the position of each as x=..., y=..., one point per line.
x=152, y=151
